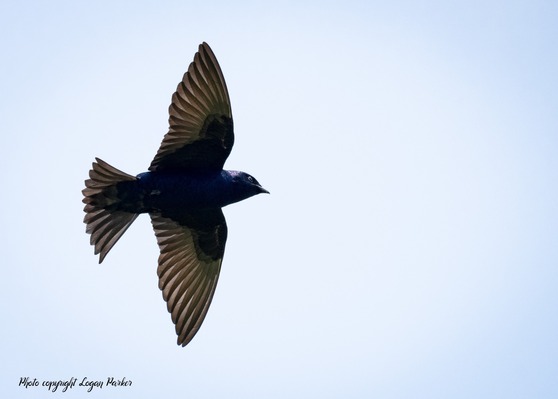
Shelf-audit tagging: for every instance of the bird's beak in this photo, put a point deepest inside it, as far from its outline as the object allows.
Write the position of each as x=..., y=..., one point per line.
x=263, y=190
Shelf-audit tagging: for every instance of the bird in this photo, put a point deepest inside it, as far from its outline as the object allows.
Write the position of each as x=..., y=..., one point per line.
x=183, y=191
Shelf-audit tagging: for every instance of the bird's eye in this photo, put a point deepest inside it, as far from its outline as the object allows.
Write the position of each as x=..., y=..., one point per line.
x=250, y=179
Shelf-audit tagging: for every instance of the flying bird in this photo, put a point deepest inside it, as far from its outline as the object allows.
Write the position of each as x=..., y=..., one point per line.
x=183, y=192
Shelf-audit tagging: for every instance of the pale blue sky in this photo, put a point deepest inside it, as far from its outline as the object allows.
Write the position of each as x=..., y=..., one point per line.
x=408, y=248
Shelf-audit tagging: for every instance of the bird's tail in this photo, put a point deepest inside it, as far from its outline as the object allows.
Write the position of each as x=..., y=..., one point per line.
x=105, y=220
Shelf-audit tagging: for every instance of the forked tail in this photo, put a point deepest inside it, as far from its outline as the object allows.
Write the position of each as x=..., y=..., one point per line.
x=105, y=221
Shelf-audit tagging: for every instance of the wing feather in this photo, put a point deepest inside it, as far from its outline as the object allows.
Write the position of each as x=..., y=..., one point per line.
x=187, y=274
x=200, y=134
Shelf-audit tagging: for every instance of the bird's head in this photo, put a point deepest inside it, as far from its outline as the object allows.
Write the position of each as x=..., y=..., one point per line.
x=245, y=186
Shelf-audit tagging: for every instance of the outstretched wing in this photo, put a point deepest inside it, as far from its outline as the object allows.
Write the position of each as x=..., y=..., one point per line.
x=192, y=249
x=200, y=134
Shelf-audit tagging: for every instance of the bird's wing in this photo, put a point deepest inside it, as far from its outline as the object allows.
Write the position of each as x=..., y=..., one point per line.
x=192, y=249
x=200, y=134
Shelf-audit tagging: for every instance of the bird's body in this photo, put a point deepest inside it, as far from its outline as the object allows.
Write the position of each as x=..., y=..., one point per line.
x=176, y=190
x=183, y=192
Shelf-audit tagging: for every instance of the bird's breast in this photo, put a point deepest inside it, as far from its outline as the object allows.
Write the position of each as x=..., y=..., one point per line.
x=170, y=191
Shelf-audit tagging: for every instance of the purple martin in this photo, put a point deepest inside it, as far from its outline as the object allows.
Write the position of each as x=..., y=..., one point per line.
x=183, y=192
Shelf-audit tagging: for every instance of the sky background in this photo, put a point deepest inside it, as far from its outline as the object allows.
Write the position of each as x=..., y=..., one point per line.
x=408, y=248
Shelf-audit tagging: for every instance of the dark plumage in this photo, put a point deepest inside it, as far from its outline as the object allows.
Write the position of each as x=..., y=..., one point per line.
x=183, y=192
